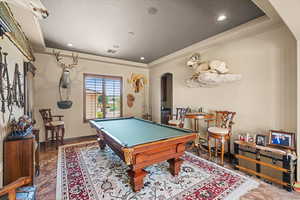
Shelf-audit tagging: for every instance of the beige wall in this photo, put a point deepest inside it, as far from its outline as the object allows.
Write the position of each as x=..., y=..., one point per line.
x=14, y=56
x=46, y=91
x=266, y=96
x=289, y=12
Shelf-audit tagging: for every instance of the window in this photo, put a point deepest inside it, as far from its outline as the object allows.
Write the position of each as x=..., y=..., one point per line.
x=102, y=96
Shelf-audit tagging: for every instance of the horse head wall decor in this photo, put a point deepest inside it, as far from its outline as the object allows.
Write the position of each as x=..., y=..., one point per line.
x=65, y=80
x=137, y=82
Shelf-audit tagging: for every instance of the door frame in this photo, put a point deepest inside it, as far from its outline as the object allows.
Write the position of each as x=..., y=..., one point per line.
x=163, y=92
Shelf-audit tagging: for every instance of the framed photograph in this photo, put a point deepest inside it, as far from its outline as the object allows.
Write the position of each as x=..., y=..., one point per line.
x=261, y=140
x=242, y=138
x=251, y=139
x=282, y=139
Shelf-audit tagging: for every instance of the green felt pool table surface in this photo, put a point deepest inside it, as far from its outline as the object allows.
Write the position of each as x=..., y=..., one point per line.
x=130, y=132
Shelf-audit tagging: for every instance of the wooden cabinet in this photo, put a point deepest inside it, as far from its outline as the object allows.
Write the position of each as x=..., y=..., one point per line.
x=19, y=157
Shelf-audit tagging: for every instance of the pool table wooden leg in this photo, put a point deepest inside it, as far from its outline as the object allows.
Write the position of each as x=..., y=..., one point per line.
x=175, y=165
x=102, y=144
x=137, y=178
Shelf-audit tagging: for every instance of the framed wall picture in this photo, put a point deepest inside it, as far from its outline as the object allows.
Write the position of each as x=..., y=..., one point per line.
x=261, y=140
x=282, y=139
x=251, y=138
x=242, y=137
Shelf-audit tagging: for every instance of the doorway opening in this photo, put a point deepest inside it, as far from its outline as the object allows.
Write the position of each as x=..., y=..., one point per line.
x=166, y=101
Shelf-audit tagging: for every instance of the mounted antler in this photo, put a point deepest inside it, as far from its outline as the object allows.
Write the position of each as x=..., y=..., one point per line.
x=65, y=80
x=59, y=59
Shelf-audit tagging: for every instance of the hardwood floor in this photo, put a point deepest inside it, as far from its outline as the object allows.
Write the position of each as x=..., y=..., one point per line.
x=46, y=181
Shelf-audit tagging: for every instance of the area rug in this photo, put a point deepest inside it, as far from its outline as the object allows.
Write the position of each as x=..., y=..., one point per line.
x=85, y=172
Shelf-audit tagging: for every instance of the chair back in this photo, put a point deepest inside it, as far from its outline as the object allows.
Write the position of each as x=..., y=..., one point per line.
x=180, y=113
x=46, y=115
x=224, y=119
x=11, y=189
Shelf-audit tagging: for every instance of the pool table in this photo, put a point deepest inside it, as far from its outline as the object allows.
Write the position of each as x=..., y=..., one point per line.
x=140, y=143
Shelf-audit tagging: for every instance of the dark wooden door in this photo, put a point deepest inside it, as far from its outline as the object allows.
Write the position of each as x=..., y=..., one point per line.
x=165, y=116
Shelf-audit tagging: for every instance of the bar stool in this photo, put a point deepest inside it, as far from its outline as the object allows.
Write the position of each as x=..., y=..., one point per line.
x=179, y=118
x=221, y=132
x=56, y=127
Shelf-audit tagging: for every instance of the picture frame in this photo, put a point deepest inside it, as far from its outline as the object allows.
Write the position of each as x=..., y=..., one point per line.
x=283, y=139
x=250, y=138
x=242, y=137
x=261, y=140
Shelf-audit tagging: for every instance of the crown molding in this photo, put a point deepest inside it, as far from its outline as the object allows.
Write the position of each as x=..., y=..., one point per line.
x=91, y=57
x=270, y=20
x=268, y=9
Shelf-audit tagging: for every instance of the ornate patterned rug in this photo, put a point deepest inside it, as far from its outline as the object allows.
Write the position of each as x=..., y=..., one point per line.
x=87, y=173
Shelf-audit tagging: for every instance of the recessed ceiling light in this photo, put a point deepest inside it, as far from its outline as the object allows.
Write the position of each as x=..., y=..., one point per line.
x=70, y=44
x=142, y=58
x=221, y=18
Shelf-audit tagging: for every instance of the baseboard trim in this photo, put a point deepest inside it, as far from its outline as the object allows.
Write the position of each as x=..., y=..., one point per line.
x=80, y=138
x=73, y=139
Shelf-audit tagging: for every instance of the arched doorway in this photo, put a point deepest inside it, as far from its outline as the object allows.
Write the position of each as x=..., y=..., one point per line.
x=166, y=96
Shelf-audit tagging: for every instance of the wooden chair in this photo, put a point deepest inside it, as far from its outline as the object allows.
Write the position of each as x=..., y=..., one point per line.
x=56, y=127
x=15, y=190
x=221, y=132
x=178, y=121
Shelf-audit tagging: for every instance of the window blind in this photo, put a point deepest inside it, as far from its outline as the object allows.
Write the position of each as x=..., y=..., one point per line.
x=103, y=96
